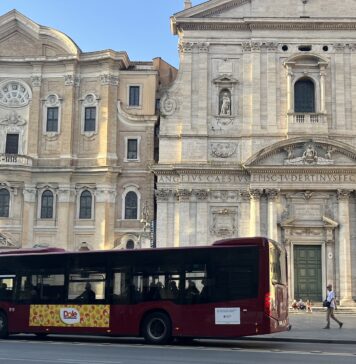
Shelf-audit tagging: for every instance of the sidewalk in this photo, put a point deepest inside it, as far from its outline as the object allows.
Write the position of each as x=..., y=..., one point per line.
x=308, y=327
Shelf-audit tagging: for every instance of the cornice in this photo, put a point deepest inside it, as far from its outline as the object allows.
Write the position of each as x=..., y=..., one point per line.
x=172, y=169
x=263, y=23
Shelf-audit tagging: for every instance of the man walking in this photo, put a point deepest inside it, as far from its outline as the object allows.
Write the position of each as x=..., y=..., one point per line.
x=330, y=310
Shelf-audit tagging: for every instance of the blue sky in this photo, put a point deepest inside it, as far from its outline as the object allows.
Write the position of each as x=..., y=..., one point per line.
x=139, y=27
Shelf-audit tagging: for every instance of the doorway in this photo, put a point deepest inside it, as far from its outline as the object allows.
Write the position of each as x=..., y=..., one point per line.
x=307, y=272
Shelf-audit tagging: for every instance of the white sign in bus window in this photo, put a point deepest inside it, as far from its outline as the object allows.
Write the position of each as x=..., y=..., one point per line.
x=227, y=316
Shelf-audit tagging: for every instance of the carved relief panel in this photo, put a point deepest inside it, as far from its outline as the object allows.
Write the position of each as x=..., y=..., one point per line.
x=223, y=221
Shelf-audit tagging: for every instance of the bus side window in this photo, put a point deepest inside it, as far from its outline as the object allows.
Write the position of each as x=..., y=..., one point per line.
x=195, y=281
x=87, y=286
x=121, y=288
x=6, y=288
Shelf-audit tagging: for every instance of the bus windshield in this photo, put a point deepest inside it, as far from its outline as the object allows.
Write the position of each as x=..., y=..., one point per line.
x=278, y=268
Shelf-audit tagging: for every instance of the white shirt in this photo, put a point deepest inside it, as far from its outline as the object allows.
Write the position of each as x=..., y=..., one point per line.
x=331, y=298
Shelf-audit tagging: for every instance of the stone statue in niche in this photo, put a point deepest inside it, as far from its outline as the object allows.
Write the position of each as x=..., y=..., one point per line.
x=310, y=155
x=225, y=103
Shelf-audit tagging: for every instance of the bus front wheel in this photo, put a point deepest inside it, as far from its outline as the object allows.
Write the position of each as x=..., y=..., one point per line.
x=3, y=326
x=157, y=328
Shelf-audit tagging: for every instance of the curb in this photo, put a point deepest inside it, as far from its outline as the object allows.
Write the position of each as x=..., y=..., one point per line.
x=319, y=341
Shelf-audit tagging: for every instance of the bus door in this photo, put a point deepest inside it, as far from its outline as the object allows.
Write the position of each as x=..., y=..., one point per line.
x=278, y=285
x=7, y=290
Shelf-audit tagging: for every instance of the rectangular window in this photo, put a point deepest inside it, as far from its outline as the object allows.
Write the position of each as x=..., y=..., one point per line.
x=89, y=118
x=87, y=286
x=132, y=152
x=6, y=287
x=42, y=288
x=134, y=97
x=12, y=144
x=52, y=119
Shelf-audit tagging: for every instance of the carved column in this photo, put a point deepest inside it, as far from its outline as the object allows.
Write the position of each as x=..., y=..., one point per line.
x=272, y=195
x=107, y=117
x=244, y=224
x=183, y=196
x=256, y=83
x=330, y=261
x=105, y=197
x=290, y=93
x=255, y=212
x=164, y=233
x=345, y=287
x=71, y=82
x=66, y=216
x=35, y=110
x=29, y=208
x=322, y=89
x=201, y=226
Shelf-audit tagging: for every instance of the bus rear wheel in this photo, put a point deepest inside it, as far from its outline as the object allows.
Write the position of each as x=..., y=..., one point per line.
x=3, y=326
x=157, y=328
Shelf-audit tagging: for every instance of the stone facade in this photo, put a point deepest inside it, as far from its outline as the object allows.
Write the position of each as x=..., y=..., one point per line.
x=237, y=157
x=48, y=162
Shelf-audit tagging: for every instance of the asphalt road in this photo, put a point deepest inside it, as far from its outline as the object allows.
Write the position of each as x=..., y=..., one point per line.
x=27, y=349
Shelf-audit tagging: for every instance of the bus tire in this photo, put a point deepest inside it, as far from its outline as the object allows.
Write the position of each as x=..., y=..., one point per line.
x=4, y=333
x=157, y=328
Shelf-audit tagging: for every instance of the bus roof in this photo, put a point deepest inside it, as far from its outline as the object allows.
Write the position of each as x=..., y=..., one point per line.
x=31, y=251
x=241, y=241
x=219, y=243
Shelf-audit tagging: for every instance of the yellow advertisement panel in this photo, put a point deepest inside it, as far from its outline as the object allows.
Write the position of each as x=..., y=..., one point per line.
x=70, y=315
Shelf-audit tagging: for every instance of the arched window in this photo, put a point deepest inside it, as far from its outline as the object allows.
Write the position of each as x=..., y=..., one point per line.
x=4, y=202
x=304, y=96
x=47, y=205
x=85, y=205
x=131, y=206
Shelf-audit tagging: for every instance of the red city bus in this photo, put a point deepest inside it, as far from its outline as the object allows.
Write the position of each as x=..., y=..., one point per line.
x=233, y=288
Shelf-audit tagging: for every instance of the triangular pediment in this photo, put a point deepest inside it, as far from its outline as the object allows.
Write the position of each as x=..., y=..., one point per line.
x=20, y=36
x=305, y=153
x=270, y=8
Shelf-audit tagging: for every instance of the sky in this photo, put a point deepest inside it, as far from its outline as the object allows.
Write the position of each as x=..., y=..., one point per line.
x=139, y=27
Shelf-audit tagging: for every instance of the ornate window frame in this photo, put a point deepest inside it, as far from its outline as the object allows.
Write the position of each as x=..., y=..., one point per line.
x=130, y=188
x=310, y=66
x=89, y=100
x=138, y=139
x=40, y=192
x=79, y=191
x=52, y=100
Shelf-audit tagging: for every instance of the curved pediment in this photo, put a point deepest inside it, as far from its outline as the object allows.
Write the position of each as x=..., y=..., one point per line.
x=20, y=37
x=305, y=152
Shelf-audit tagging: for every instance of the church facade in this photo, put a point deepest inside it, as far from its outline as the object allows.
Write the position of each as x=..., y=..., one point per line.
x=76, y=141
x=258, y=135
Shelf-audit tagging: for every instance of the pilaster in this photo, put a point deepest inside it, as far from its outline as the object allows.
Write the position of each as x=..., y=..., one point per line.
x=29, y=209
x=183, y=197
x=345, y=290
x=272, y=195
x=255, y=212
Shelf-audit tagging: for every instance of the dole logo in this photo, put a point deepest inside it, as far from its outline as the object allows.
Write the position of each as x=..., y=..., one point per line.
x=69, y=315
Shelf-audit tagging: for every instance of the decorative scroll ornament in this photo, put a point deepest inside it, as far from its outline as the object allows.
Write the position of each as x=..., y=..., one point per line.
x=71, y=80
x=13, y=118
x=168, y=105
x=14, y=94
x=201, y=194
x=223, y=150
x=310, y=157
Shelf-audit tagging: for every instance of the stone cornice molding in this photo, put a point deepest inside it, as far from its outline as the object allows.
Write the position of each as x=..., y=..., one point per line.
x=135, y=120
x=202, y=24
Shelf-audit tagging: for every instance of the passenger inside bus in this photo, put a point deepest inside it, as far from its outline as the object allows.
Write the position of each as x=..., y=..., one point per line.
x=192, y=292
x=88, y=296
